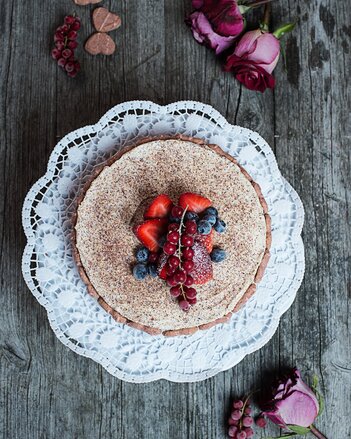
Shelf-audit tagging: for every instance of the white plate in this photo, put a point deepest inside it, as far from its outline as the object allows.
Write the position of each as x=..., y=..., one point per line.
x=80, y=323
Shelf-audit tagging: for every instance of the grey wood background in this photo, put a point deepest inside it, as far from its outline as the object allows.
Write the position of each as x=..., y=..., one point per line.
x=47, y=391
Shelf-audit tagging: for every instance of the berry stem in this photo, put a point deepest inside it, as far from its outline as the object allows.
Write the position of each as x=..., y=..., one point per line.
x=316, y=432
x=179, y=246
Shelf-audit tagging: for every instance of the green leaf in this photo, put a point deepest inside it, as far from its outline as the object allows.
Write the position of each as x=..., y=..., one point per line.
x=315, y=381
x=320, y=402
x=298, y=429
x=282, y=30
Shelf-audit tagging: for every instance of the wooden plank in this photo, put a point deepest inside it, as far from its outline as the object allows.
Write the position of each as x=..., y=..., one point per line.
x=47, y=391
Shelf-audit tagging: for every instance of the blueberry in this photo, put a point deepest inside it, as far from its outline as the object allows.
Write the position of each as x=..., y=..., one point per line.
x=152, y=270
x=210, y=218
x=218, y=255
x=162, y=241
x=142, y=254
x=204, y=227
x=173, y=219
x=140, y=271
x=192, y=216
x=220, y=226
x=211, y=211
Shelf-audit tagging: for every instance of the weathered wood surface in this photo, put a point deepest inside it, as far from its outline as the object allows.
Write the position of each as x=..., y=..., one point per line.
x=47, y=391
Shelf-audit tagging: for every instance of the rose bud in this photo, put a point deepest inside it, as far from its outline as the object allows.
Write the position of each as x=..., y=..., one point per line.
x=254, y=59
x=294, y=406
x=216, y=23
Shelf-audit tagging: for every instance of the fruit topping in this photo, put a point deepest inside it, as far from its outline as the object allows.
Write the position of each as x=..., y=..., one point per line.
x=204, y=227
x=210, y=219
x=218, y=255
x=150, y=232
x=194, y=202
x=140, y=271
x=220, y=226
x=178, y=244
x=159, y=208
x=152, y=270
x=202, y=271
x=191, y=216
x=142, y=254
x=177, y=212
x=206, y=240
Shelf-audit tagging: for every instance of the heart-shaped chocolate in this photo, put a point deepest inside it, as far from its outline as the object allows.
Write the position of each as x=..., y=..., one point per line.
x=86, y=2
x=100, y=43
x=105, y=21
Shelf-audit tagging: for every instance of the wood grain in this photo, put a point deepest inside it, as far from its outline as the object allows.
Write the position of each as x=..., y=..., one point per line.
x=47, y=391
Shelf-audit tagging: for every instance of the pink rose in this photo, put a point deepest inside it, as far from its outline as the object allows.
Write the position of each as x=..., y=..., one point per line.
x=293, y=403
x=216, y=23
x=254, y=59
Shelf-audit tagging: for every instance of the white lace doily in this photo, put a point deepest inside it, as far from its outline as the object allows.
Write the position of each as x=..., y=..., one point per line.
x=76, y=318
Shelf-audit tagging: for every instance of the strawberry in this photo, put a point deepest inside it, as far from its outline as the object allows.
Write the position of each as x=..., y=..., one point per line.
x=150, y=232
x=195, y=203
x=159, y=208
x=206, y=240
x=202, y=271
x=161, y=266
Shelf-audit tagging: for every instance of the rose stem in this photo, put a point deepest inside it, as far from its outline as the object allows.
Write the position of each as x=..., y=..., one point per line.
x=266, y=17
x=317, y=433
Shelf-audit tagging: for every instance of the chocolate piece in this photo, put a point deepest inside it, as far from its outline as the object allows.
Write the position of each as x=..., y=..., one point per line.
x=105, y=21
x=100, y=43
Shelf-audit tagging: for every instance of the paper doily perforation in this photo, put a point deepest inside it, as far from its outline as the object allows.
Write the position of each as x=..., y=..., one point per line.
x=80, y=323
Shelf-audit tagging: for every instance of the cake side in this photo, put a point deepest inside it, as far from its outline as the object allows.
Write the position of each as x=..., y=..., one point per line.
x=233, y=305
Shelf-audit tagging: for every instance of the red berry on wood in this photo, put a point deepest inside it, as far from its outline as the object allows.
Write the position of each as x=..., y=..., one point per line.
x=261, y=422
x=192, y=301
x=191, y=293
x=238, y=404
x=173, y=226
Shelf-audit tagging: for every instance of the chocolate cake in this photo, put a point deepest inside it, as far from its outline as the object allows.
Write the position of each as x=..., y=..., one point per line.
x=110, y=205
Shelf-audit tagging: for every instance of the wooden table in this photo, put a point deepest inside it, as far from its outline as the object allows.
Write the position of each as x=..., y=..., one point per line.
x=47, y=391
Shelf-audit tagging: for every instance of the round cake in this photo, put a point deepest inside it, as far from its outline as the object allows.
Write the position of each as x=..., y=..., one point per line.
x=112, y=204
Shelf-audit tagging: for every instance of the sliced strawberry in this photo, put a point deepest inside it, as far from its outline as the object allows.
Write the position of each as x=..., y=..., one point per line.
x=150, y=232
x=195, y=203
x=202, y=271
x=161, y=266
x=206, y=240
x=160, y=207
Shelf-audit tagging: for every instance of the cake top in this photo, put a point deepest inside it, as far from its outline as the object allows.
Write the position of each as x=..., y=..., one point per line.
x=114, y=203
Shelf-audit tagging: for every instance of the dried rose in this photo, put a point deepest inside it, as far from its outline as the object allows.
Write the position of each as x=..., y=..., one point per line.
x=216, y=23
x=294, y=406
x=254, y=59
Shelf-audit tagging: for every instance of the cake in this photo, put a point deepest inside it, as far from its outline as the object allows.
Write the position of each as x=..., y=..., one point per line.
x=111, y=206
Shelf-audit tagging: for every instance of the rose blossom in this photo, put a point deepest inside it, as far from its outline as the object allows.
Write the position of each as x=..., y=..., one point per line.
x=254, y=59
x=216, y=23
x=293, y=403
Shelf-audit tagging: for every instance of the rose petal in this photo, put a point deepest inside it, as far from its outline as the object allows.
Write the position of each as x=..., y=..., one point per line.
x=247, y=43
x=298, y=409
x=267, y=51
x=302, y=387
x=204, y=34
